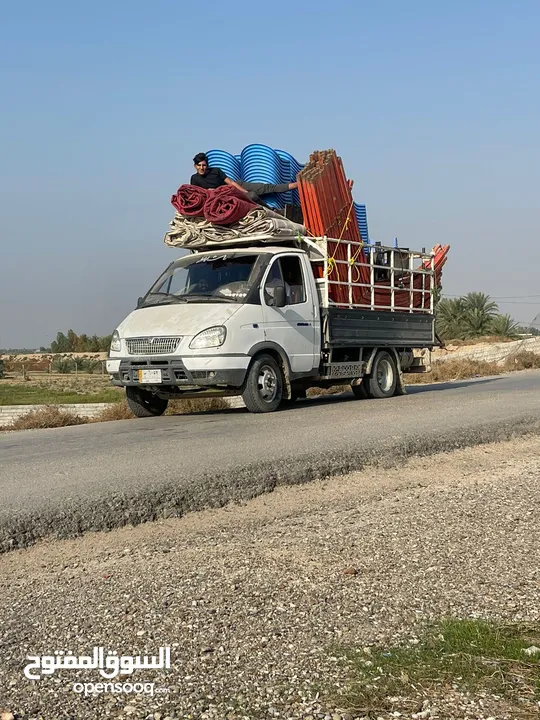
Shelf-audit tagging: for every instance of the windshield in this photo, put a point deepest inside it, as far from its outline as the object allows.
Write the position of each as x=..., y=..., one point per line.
x=206, y=278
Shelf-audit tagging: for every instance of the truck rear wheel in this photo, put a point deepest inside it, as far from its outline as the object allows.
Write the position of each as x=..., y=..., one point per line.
x=263, y=386
x=382, y=381
x=144, y=403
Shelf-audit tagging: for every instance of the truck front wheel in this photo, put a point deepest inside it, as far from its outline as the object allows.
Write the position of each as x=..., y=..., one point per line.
x=263, y=386
x=382, y=381
x=143, y=403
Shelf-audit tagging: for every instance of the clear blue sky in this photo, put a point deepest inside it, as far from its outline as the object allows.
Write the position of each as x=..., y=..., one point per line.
x=434, y=108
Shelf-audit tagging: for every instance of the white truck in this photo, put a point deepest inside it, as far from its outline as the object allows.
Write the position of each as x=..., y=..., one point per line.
x=259, y=321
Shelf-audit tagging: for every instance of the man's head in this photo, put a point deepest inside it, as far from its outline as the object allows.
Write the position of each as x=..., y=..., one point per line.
x=201, y=163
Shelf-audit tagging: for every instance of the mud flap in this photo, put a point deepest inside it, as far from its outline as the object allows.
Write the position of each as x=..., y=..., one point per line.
x=400, y=384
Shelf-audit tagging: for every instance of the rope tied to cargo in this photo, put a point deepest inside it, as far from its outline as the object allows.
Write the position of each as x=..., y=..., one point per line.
x=347, y=220
x=332, y=260
x=330, y=266
x=352, y=263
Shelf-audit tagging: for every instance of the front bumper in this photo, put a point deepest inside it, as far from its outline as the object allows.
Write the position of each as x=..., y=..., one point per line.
x=125, y=372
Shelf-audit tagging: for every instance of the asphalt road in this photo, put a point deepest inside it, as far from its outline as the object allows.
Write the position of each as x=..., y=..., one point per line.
x=96, y=476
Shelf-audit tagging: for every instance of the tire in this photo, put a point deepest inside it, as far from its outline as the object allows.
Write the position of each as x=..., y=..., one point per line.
x=263, y=386
x=359, y=391
x=143, y=403
x=382, y=381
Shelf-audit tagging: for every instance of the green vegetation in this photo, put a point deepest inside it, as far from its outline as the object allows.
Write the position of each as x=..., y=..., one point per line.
x=11, y=394
x=471, y=316
x=65, y=365
x=80, y=343
x=473, y=656
x=17, y=351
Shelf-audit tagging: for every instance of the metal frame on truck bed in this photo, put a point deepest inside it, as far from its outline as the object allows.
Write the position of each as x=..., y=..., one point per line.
x=396, y=305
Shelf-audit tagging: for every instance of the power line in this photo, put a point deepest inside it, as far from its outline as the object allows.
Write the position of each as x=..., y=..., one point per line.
x=514, y=302
x=498, y=297
x=508, y=300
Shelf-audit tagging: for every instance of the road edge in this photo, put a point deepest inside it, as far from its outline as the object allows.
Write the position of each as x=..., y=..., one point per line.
x=241, y=484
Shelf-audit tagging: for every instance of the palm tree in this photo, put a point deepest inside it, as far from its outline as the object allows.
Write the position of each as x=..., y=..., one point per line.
x=449, y=318
x=480, y=301
x=469, y=316
x=479, y=313
x=504, y=326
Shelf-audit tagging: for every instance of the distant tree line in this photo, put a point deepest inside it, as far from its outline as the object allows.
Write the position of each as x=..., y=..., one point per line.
x=79, y=343
x=472, y=316
x=17, y=351
x=67, y=344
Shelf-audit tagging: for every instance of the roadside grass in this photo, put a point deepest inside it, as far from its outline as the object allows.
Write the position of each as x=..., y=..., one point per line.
x=196, y=405
x=484, y=339
x=333, y=390
x=464, y=368
x=463, y=655
x=118, y=411
x=51, y=416
x=13, y=394
x=46, y=417
x=121, y=411
x=458, y=369
x=523, y=361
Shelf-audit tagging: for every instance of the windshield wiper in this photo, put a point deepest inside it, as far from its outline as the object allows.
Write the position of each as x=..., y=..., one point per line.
x=167, y=299
x=207, y=298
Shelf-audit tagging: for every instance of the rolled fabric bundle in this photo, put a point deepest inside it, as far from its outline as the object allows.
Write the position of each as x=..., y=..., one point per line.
x=227, y=205
x=196, y=232
x=190, y=199
x=186, y=231
x=259, y=225
x=226, y=190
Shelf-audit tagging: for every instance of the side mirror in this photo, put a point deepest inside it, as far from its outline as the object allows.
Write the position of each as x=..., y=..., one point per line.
x=280, y=296
x=139, y=302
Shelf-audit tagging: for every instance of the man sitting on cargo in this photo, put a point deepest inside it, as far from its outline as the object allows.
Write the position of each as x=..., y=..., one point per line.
x=211, y=178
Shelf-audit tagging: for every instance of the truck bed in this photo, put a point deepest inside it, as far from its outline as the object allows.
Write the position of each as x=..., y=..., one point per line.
x=343, y=327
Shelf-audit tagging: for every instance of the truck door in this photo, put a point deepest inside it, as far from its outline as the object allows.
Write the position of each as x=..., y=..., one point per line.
x=293, y=326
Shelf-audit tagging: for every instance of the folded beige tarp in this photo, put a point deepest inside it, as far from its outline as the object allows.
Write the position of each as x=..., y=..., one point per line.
x=261, y=225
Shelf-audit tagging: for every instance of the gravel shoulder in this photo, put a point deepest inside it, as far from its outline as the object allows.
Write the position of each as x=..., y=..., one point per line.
x=252, y=598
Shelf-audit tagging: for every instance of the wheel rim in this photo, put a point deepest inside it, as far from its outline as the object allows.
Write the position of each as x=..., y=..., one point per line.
x=267, y=383
x=385, y=375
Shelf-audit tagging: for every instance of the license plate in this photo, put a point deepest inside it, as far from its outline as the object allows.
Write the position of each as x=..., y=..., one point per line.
x=150, y=376
x=347, y=370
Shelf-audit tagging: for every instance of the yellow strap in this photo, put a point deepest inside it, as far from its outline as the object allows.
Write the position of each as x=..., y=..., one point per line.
x=330, y=267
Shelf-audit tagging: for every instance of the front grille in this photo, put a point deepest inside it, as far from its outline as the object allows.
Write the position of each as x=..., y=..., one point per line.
x=152, y=345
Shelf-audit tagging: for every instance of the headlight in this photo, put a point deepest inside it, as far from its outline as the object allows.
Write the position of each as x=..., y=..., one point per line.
x=211, y=337
x=116, y=344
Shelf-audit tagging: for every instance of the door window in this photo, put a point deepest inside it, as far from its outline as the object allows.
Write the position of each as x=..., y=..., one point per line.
x=294, y=283
x=286, y=271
